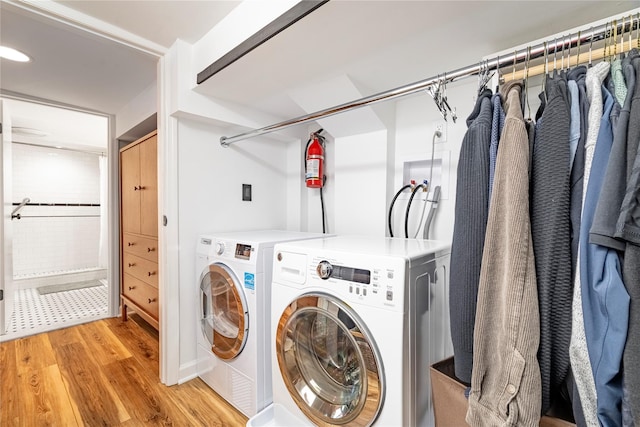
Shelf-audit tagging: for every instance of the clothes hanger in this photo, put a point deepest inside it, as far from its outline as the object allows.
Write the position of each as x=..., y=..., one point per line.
x=614, y=40
x=555, y=51
x=569, y=54
x=513, y=73
x=454, y=116
x=562, y=54
x=579, y=38
x=546, y=70
x=591, y=48
x=500, y=76
x=638, y=32
x=484, y=76
x=526, y=82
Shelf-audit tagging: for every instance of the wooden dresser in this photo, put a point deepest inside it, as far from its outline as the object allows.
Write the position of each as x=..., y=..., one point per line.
x=139, y=228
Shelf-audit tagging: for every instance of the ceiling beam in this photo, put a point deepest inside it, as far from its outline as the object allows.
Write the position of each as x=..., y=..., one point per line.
x=282, y=22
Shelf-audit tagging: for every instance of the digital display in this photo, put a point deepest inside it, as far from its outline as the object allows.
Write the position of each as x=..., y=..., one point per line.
x=243, y=251
x=351, y=274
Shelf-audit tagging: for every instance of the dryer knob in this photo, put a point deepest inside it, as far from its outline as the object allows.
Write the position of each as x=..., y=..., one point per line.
x=219, y=248
x=324, y=270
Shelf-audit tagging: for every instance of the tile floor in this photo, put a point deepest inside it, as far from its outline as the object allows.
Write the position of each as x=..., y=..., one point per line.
x=35, y=313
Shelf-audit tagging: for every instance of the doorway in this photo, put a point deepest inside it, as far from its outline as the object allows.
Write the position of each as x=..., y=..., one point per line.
x=60, y=224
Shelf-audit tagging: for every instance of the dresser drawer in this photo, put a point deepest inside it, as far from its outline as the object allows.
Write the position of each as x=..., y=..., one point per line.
x=143, y=295
x=140, y=268
x=144, y=247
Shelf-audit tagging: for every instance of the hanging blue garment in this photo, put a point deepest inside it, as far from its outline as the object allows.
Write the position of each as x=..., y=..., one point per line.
x=605, y=301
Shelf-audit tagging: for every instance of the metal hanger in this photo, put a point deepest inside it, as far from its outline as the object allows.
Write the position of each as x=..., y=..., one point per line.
x=569, y=54
x=562, y=53
x=484, y=76
x=546, y=70
x=591, y=47
x=614, y=40
x=438, y=93
x=555, y=51
x=638, y=32
x=526, y=81
x=513, y=73
x=578, y=58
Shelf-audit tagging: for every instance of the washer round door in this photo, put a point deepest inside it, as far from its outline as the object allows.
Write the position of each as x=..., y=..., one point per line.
x=224, y=317
x=329, y=362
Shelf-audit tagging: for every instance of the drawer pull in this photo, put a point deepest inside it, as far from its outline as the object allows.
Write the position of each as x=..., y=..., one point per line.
x=130, y=243
x=142, y=187
x=136, y=188
x=151, y=273
x=151, y=249
x=132, y=264
x=131, y=288
x=152, y=300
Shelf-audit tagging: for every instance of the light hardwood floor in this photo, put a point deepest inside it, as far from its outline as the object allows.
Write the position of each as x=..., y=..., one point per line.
x=103, y=373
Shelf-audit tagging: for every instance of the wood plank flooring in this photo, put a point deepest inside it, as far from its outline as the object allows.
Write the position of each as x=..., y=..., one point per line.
x=103, y=373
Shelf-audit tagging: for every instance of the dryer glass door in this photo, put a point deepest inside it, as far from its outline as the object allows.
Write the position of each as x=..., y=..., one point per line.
x=224, y=311
x=329, y=362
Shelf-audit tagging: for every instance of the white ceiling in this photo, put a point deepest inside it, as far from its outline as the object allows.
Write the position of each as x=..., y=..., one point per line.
x=379, y=45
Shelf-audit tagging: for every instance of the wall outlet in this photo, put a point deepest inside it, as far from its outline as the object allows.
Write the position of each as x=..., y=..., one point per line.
x=441, y=125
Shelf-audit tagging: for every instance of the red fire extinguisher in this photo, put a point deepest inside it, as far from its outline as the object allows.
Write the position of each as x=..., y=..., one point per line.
x=314, y=158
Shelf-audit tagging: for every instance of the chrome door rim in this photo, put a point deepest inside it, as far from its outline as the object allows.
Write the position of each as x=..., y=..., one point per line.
x=207, y=318
x=354, y=363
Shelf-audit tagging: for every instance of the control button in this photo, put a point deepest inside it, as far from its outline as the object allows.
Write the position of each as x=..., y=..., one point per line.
x=511, y=389
x=357, y=291
x=364, y=292
x=350, y=289
x=219, y=248
x=324, y=269
x=389, y=274
x=389, y=295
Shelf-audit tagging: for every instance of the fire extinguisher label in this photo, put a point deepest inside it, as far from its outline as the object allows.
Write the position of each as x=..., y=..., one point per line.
x=313, y=169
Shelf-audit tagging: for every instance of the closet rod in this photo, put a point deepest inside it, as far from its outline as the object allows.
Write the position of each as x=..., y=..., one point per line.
x=591, y=35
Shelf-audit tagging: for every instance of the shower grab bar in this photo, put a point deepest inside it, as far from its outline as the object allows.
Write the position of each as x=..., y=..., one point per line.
x=14, y=213
x=60, y=216
x=57, y=204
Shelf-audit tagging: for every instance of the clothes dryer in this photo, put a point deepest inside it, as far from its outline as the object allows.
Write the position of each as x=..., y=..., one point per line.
x=234, y=278
x=356, y=323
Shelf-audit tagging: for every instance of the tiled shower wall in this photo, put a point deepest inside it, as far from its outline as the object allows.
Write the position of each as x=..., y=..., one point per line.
x=55, y=239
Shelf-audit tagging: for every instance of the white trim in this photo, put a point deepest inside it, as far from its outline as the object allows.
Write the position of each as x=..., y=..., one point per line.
x=188, y=372
x=169, y=285
x=113, y=245
x=76, y=19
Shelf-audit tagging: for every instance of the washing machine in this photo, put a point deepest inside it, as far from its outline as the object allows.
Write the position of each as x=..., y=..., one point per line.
x=234, y=278
x=356, y=323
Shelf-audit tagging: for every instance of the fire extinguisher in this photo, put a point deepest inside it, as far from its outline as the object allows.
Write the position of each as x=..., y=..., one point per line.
x=314, y=161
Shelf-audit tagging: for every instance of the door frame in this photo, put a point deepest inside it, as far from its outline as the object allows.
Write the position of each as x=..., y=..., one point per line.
x=113, y=197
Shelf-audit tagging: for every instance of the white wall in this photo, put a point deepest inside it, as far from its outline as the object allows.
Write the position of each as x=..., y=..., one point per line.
x=361, y=183
x=142, y=106
x=210, y=200
x=415, y=124
x=66, y=238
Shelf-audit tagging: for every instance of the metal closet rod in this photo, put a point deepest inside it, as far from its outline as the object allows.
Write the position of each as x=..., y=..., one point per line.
x=589, y=36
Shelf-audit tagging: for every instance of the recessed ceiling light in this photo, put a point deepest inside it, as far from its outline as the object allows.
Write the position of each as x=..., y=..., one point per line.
x=13, y=54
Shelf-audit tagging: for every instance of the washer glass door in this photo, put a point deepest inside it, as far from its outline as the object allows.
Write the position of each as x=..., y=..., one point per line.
x=329, y=362
x=224, y=320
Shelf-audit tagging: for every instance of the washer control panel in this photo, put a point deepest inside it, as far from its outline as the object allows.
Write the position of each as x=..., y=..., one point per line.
x=381, y=284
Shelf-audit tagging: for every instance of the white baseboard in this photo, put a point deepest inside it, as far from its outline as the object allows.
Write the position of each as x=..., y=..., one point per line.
x=188, y=371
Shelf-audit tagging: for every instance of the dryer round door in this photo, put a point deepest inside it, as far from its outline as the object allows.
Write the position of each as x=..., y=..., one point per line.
x=329, y=362
x=224, y=319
